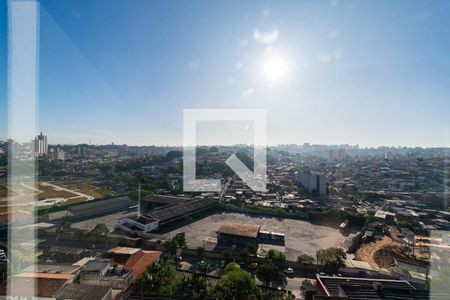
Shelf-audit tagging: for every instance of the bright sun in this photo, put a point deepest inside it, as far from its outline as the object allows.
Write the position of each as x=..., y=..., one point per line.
x=274, y=68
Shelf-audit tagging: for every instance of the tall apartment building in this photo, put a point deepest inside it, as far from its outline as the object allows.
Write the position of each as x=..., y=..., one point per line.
x=40, y=145
x=57, y=154
x=313, y=182
x=337, y=154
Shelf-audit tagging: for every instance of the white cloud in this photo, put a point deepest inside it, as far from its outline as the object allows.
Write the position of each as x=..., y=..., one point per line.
x=247, y=92
x=268, y=37
x=238, y=66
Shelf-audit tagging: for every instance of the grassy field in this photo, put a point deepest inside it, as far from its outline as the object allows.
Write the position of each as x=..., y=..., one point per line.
x=50, y=192
x=88, y=186
x=26, y=193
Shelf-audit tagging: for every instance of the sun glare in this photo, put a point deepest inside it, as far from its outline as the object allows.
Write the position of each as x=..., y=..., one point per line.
x=274, y=68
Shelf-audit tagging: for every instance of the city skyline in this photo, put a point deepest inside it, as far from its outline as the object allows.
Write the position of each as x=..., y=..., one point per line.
x=321, y=79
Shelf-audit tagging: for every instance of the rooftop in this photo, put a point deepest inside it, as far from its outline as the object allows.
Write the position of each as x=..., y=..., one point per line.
x=244, y=230
x=92, y=206
x=96, y=265
x=82, y=291
x=364, y=288
x=15, y=215
x=124, y=250
x=142, y=219
x=181, y=209
x=139, y=262
x=52, y=269
x=36, y=284
x=44, y=275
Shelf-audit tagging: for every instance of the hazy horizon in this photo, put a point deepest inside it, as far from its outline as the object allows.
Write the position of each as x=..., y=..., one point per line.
x=327, y=72
x=354, y=146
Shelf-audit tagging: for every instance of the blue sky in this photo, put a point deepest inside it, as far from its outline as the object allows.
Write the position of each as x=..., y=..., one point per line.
x=358, y=72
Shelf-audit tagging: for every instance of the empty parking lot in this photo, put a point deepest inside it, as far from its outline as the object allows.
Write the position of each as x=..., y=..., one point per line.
x=300, y=236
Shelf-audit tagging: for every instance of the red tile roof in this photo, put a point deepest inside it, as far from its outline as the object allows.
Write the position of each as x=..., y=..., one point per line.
x=139, y=262
x=16, y=215
x=36, y=284
x=45, y=275
x=135, y=259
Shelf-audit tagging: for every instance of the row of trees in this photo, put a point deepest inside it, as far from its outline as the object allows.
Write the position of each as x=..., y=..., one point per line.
x=162, y=278
x=331, y=258
x=235, y=283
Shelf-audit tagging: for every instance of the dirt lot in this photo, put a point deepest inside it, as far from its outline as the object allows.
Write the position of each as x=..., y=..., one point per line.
x=300, y=236
x=367, y=251
x=383, y=252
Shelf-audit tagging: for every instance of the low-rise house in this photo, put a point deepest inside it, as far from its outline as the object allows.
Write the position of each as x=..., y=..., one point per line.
x=134, y=259
x=334, y=287
x=103, y=272
x=35, y=285
x=385, y=216
x=84, y=292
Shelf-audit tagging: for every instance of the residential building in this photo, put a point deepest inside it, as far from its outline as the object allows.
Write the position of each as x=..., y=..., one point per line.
x=105, y=273
x=134, y=259
x=84, y=292
x=313, y=183
x=40, y=145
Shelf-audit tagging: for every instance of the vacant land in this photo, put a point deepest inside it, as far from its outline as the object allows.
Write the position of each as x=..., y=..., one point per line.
x=86, y=186
x=24, y=195
x=52, y=192
x=300, y=236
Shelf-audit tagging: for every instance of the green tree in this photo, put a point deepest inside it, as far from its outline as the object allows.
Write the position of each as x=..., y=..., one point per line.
x=235, y=285
x=126, y=177
x=251, y=249
x=206, y=267
x=195, y=287
x=200, y=251
x=278, y=295
x=174, y=154
x=244, y=255
x=226, y=255
x=232, y=266
x=305, y=259
x=331, y=258
x=170, y=247
x=160, y=278
x=180, y=240
x=80, y=233
x=268, y=272
x=101, y=231
x=275, y=256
